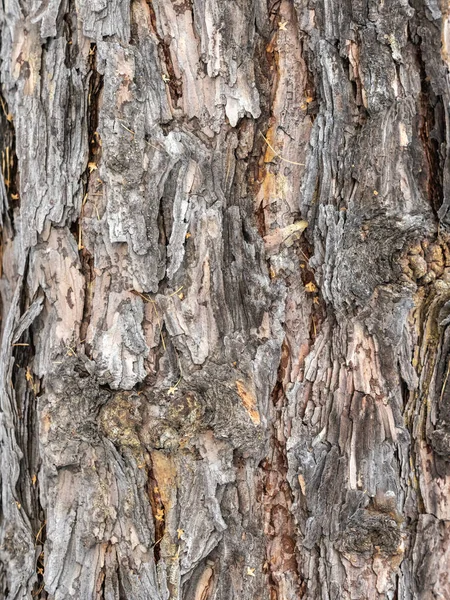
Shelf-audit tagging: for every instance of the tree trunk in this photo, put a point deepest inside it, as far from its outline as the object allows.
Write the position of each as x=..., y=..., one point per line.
x=226, y=300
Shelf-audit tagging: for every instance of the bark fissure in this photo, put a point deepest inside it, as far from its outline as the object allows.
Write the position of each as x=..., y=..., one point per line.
x=93, y=188
x=9, y=162
x=280, y=524
x=432, y=131
x=158, y=510
x=168, y=75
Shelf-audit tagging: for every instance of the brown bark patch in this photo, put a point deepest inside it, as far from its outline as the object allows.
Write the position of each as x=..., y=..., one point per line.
x=249, y=401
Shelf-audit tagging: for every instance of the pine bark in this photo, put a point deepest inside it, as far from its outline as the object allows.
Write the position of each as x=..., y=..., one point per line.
x=225, y=297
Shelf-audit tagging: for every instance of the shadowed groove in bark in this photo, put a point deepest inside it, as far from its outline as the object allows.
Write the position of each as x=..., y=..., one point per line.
x=9, y=185
x=69, y=28
x=175, y=85
x=9, y=192
x=280, y=528
x=93, y=187
x=158, y=509
x=8, y=156
x=93, y=109
x=28, y=388
x=39, y=592
x=432, y=131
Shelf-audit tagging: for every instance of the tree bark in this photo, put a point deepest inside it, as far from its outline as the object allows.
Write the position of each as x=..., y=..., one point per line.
x=225, y=300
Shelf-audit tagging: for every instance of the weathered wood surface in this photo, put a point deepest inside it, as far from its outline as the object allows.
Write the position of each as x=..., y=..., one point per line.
x=200, y=398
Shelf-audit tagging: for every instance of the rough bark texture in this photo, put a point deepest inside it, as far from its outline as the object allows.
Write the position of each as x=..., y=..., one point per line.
x=225, y=295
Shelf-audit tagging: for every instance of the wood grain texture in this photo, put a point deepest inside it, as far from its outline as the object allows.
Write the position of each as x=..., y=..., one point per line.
x=225, y=300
